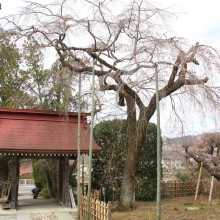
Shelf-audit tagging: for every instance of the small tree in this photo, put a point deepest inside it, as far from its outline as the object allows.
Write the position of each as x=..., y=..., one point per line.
x=108, y=165
x=45, y=174
x=147, y=169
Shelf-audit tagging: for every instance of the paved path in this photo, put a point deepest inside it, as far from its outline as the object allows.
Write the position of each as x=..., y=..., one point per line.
x=38, y=209
x=38, y=216
x=7, y=217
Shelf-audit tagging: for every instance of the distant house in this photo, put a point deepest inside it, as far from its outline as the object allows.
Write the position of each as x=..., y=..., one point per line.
x=173, y=154
x=173, y=159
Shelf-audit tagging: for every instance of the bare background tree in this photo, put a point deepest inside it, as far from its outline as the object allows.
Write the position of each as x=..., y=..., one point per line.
x=207, y=151
x=127, y=39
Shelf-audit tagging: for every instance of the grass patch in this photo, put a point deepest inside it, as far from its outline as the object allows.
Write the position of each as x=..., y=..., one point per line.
x=188, y=204
x=172, y=208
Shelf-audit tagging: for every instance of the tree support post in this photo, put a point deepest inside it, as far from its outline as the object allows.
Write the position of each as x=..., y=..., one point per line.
x=212, y=179
x=198, y=182
x=211, y=189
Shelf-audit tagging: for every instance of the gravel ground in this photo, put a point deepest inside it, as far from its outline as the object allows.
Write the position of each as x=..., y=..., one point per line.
x=37, y=209
x=44, y=216
x=38, y=216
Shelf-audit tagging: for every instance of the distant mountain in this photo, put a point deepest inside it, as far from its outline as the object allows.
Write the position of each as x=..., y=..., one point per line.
x=179, y=141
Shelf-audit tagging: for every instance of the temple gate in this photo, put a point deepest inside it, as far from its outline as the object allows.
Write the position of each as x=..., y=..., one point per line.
x=36, y=134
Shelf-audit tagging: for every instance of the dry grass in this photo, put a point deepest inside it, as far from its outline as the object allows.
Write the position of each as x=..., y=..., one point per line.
x=174, y=209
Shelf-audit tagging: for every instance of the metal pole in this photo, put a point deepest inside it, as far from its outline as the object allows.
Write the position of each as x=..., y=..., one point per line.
x=78, y=149
x=91, y=144
x=158, y=149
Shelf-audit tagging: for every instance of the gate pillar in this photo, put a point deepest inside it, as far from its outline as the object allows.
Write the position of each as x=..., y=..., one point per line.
x=14, y=182
x=63, y=183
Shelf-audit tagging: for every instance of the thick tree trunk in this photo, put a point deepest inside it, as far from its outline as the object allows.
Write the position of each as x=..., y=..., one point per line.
x=136, y=135
x=129, y=181
x=127, y=196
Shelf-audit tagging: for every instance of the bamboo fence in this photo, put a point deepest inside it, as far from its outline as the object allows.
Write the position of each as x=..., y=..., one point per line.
x=99, y=210
x=177, y=188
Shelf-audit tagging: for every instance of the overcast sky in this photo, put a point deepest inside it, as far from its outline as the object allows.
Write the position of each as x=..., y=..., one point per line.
x=197, y=20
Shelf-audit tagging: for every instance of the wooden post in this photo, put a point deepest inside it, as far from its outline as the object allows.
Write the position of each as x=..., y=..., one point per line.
x=212, y=179
x=211, y=189
x=66, y=182
x=109, y=210
x=60, y=181
x=14, y=183
x=198, y=181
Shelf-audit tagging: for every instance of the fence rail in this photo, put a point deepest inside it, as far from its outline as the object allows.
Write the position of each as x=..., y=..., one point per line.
x=99, y=210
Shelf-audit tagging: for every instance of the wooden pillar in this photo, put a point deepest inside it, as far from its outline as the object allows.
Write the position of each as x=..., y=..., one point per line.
x=66, y=182
x=63, y=183
x=60, y=180
x=14, y=183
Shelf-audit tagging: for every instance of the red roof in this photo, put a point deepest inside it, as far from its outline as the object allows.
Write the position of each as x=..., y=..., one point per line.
x=34, y=131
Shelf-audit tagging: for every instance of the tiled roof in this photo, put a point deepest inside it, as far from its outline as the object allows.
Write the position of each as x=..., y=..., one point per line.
x=36, y=131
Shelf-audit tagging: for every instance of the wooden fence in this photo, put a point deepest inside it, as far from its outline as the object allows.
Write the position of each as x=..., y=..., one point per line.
x=96, y=194
x=186, y=188
x=99, y=210
x=5, y=191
